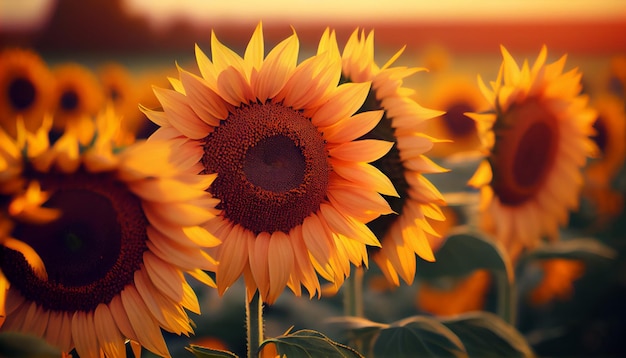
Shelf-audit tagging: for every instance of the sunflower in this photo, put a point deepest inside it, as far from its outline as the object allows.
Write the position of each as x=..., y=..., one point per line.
x=464, y=294
x=295, y=186
x=610, y=138
x=557, y=282
x=456, y=95
x=537, y=139
x=107, y=238
x=78, y=94
x=26, y=89
x=404, y=120
x=616, y=82
x=120, y=89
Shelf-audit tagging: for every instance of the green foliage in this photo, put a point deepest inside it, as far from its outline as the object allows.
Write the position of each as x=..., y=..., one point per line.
x=309, y=343
x=204, y=352
x=418, y=336
x=463, y=252
x=18, y=345
x=586, y=249
x=486, y=335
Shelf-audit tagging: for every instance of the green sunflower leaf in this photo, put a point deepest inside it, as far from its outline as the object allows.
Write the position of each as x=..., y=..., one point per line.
x=585, y=249
x=14, y=345
x=418, y=336
x=463, y=252
x=486, y=335
x=204, y=352
x=309, y=343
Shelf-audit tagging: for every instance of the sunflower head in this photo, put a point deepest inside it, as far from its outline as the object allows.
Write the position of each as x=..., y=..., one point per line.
x=456, y=95
x=26, y=89
x=407, y=231
x=536, y=137
x=78, y=94
x=98, y=239
x=295, y=184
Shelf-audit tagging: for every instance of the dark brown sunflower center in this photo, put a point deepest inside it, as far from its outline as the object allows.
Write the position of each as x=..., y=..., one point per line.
x=390, y=164
x=526, y=145
x=601, y=135
x=69, y=100
x=457, y=123
x=21, y=93
x=114, y=94
x=90, y=253
x=272, y=166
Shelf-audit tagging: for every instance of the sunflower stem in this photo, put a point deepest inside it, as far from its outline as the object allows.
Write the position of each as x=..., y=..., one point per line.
x=254, y=323
x=506, y=298
x=353, y=294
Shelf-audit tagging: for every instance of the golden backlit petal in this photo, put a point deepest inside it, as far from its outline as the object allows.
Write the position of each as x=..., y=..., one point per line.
x=258, y=251
x=121, y=318
x=109, y=337
x=207, y=104
x=56, y=328
x=311, y=82
x=167, y=133
x=146, y=328
x=148, y=295
x=233, y=258
x=223, y=57
x=165, y=190
x=414, y=146
x=198, y=235
x=203, y=277
x=4, y=287
x=255, y=50
x=176, y=84
x=180, y=115
x=182, y=256
x=393, y=58
x=482, y=176
x=540, y=61
x=306, y=272
x=133, y=165
x=281, y=265
x=356, y=202
x=164, y=276
x=276, y=69
x=347, y=226
x=345, y=101
x=386, y=268
x=15, y=320
x=554, y=69
x=511, y=70
x=157, y=117
x=487, y=93
x=84, y=335
x=366, y=150
x=422, y=189
x=405, y=263
x=406, y=113
x=423, y=164
x=432, y=211
x=190, y=300
x=170, y=314
x=353, y=127
x=35, y=320
x=234, y=88
x=328, y=44
x=317, y=241
x=206, y=67
x=183, y=214
x=364, y=174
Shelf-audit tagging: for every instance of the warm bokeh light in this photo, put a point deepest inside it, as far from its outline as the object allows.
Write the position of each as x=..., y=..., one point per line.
x=354, y=10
